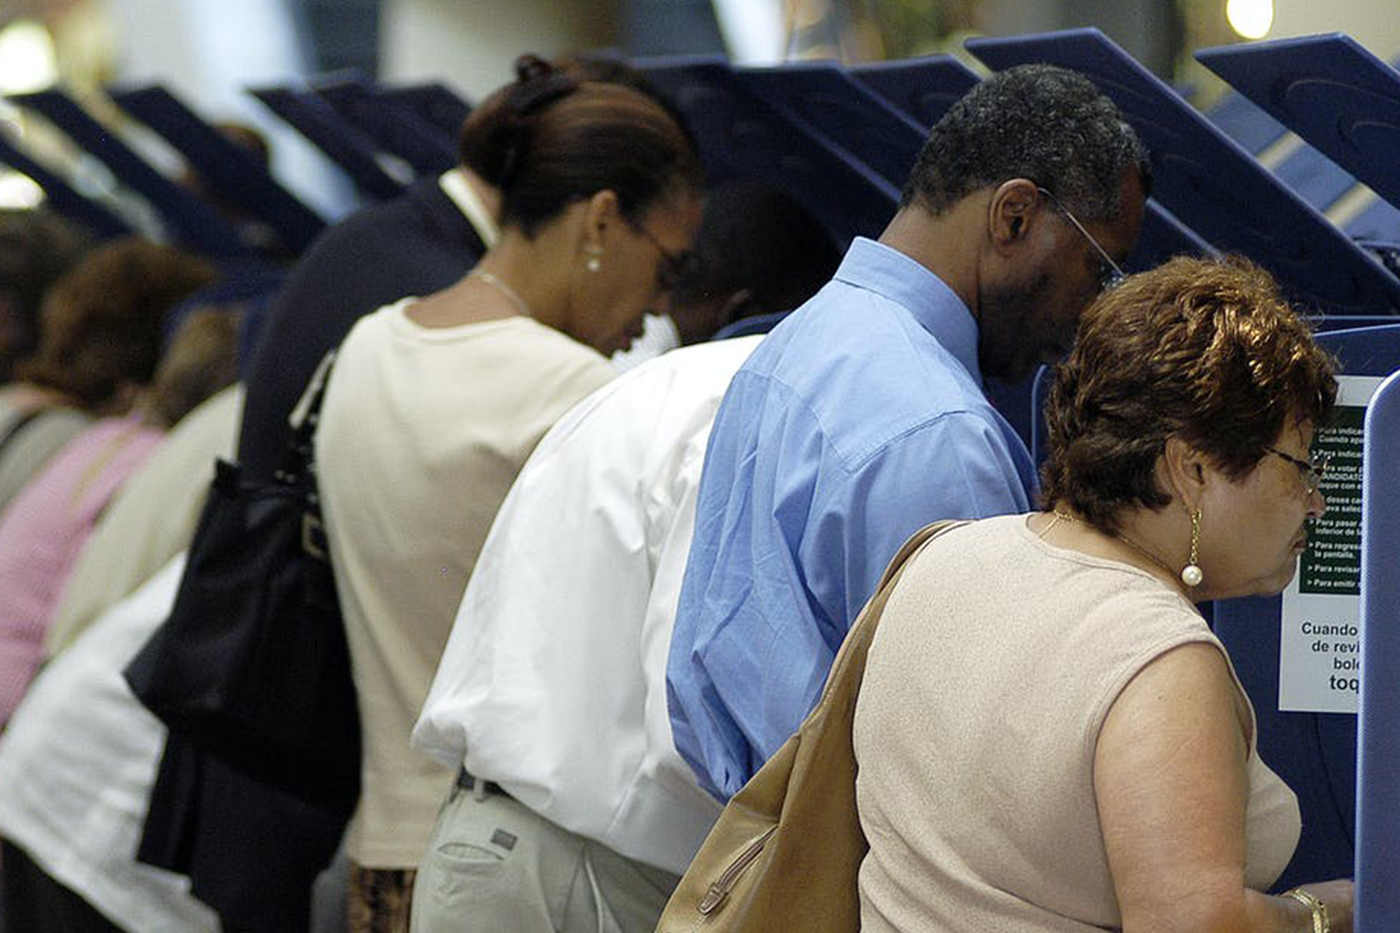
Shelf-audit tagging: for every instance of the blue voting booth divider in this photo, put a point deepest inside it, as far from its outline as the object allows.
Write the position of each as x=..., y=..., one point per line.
x=1378, y=787
x=924, y=88
x=828, y=104
x=349, y=148
x=95, y=218
x=1331, y=92
x=742, y=136
x=1213, y=185
x=1338, y=97
x=394, y=127
x=435, y=103
x=1244, y=122
x=190, y=221
x=227, y=169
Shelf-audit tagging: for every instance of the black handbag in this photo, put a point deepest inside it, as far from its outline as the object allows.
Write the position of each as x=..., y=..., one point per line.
x=252, y=665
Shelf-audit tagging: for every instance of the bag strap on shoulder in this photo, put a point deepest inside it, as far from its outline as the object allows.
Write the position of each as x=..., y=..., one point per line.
x=299, y=459
x=308, y=407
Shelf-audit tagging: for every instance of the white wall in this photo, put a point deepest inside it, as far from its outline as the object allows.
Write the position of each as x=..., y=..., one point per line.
x=1373, y=23
x=208, y=52
x=470, y=44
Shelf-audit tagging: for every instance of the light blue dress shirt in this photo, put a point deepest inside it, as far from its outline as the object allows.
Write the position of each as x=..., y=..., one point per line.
x=857, y=421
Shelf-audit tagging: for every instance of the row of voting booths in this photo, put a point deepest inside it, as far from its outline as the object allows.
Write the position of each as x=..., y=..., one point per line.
x=1294, y=169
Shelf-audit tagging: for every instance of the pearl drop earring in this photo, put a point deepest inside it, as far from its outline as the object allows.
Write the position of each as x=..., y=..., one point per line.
x=1191, y=574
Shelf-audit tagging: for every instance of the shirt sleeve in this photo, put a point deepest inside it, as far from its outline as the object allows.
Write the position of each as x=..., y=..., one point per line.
x=785, y=557
x=956, y=467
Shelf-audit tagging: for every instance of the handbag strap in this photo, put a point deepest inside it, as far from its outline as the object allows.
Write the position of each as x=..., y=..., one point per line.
x=299, y=459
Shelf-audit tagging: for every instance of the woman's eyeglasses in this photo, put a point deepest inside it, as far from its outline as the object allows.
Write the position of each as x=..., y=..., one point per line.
x=1311, y=472
x=672, y=266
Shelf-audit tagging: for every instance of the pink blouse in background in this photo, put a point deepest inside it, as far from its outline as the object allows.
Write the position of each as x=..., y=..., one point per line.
x=44, y=528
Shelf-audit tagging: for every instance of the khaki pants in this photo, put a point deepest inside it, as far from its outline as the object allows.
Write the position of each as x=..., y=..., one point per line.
x=493, y=865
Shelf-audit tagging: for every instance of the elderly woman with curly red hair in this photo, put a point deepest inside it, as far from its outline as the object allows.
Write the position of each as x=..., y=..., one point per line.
x=1049, y=735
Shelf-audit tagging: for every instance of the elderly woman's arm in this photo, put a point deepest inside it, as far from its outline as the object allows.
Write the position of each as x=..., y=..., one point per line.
x=1172, y=788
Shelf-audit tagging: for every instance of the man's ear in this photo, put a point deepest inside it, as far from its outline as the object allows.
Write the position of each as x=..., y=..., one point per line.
x=1011, y=212
x=1187, y=471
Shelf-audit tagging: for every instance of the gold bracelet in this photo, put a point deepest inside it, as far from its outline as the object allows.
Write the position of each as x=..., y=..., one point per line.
x=1320, y=923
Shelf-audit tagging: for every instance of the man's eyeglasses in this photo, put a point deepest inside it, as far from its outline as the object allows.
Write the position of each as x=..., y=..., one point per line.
x=672, y=267
x=1110, y=274
x=1311, y=472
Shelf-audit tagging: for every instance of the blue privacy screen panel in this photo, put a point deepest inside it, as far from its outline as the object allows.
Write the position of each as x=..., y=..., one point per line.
x=189, y=220
x=60, y=196
x=1317, y=179
x=393, y=126
x=923, y=88
x=436, y=104
x=1329, y=90
x=1378, y=789
x=228, y=170
x=342, y=142
x=1163, y=236
x=1380, y=221
x=1245, y=123
x=828, y=103
x=741, y=136
x=1212, y=184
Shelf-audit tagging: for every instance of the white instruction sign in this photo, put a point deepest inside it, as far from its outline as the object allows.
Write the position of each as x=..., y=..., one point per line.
x=1320, y=642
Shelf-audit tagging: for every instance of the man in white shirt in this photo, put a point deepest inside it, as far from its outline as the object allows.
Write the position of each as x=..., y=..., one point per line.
x=551, y=693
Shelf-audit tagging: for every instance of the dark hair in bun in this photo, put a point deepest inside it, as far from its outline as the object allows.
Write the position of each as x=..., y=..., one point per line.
x=552, y=138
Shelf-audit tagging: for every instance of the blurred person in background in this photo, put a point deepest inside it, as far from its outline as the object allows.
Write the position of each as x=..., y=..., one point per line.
x=101, y=331
x=758, y=254
x=37, y=246
x=50, y=519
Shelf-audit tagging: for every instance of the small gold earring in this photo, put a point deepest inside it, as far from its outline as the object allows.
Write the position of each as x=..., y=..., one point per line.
x=1191, y=574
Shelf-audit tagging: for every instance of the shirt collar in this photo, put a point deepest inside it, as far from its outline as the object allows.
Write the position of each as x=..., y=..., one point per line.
x=893, y=275
x=454, y=184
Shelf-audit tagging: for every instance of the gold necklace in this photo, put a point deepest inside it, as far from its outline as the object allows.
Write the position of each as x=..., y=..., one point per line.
x=506, y=291
x=1124, y=538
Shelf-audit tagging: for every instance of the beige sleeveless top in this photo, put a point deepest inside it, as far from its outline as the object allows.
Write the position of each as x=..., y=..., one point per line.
x=990, y=675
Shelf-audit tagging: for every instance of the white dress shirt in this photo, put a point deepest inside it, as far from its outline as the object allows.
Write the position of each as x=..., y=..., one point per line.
x=553, y=681
x=77, y=763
